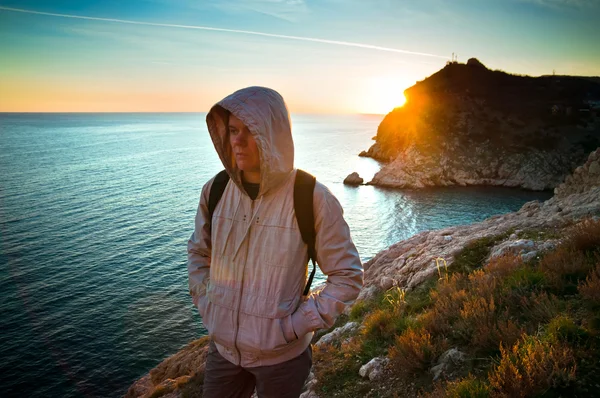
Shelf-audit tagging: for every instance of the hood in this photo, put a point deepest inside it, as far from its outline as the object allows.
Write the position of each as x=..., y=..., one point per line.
x=265, y=114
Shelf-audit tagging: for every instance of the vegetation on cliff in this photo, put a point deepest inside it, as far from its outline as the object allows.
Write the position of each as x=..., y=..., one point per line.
x=471, y=103
x=523, y=328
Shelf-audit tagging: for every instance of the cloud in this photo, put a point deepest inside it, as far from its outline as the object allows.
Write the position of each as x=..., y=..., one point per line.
x=235, y=31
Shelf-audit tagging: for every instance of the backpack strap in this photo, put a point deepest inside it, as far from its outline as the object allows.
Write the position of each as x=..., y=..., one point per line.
x=304, y=187
x=216, y=191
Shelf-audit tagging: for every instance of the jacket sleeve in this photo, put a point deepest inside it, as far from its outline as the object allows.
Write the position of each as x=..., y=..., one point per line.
x=198, y=253
x=338, y=259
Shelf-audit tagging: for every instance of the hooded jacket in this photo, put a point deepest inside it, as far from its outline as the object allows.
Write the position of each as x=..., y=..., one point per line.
x=247, y=268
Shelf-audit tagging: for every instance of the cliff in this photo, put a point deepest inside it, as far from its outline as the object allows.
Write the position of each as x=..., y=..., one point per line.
x=468, y=125
x=519, y=290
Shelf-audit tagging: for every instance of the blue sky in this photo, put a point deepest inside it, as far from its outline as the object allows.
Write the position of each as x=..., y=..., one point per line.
x=143, y=62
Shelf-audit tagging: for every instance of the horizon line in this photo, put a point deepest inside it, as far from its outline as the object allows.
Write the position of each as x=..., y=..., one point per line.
x=191, y=112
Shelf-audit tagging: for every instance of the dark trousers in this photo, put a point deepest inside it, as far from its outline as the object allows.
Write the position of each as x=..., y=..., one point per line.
x=222, y=379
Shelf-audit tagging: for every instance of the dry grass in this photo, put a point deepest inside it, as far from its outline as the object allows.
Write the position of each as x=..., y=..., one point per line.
x=414, y=351
x=532, y=367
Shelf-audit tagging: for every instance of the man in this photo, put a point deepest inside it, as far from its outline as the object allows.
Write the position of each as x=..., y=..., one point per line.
x=248, y=264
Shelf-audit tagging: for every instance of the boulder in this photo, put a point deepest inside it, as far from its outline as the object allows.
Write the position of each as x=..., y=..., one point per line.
x=374, y=368
x=336, y=333
x=448, y=364
x=353, y=179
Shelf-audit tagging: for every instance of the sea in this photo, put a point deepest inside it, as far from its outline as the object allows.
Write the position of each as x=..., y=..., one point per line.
x=95, y=214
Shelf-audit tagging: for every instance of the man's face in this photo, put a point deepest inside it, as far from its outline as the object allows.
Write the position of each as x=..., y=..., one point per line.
x=243, y=146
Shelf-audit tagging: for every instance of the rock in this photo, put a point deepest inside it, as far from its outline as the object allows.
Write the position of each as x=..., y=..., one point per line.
x=353, y=179
x=447, y=364
x=515, y=247
x=409, y=263
x=415, y=167
x=586, y=179
x=374, y=368
x=367, y=293
x=386, y=283
x=309, y=386
x=336, y=333
x=424, y=147
x=174, y=371
x=529, y=255
x=447, y=238
x=545, y=246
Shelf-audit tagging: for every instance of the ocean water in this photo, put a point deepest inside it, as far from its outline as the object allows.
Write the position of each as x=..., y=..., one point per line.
x=95, y=213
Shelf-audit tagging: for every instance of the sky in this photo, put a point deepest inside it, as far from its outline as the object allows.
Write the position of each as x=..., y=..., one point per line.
x=323, y=56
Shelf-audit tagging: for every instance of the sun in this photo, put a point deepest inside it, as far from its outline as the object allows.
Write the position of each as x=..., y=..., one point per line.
x=383, y=94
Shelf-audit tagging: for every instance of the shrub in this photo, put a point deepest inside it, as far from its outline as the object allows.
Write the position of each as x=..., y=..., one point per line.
x=562, y=328
x=448, y=300
x=585, y=236
x=533, y=367
x=359, y=309
x=504, y=266
x=468, y=387
x=413, y=351
x=538, y=308
x=383, y=325
x=483, y=327
x=565, y=267
x=525, y=278
x=590, y=288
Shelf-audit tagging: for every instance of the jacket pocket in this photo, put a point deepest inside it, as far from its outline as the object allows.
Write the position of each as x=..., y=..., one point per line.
x=287, y=328
x=261, y=335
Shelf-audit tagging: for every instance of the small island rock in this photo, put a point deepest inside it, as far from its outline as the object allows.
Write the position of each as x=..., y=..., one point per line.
x=353, y=179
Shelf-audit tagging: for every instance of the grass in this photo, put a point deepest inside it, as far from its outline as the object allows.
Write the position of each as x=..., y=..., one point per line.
x=474, y=254
x=538, y=234
x=527, y=329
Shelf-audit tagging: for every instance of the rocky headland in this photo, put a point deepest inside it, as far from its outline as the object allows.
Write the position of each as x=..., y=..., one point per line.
x=397, y=340
x=469, y=125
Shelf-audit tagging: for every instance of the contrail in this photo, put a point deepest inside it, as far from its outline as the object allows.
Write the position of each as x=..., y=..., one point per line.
x=245, y=32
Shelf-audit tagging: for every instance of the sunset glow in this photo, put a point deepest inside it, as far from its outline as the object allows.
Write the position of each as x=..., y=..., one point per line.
x=383, y=94
x=323, y=57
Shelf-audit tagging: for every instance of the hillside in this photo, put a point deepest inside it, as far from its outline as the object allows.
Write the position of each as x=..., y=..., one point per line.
x=469, y=125
x=501, y=308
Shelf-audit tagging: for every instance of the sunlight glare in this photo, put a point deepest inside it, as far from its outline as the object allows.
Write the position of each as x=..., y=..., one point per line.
x=383, y=94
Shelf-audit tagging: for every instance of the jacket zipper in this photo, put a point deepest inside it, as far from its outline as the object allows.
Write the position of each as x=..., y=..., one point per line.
x=237, y=325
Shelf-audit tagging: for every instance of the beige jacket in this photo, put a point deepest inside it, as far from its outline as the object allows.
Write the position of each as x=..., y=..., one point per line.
x=248, y=269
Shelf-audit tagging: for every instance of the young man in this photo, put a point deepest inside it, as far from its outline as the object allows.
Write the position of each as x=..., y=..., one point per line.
x=248, y=264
